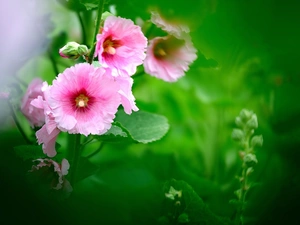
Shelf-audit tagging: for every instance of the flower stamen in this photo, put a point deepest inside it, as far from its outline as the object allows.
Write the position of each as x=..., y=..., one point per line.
x=110, y=50
x=110, y=46
x=81, y=100
x=160, y=52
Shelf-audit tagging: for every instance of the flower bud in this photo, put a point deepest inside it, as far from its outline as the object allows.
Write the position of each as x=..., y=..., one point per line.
x=173, y=193
x=238, y=193
x=245, y=115
x=249, y=171
x=82, y=50
x=250, y=160
x=237, y=134
x=252, y=123
x=70, y=50
x=239, y=122
x=256, y=140
x=242, y=155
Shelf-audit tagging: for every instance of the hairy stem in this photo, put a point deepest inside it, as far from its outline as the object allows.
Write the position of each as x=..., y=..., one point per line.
x=74, y=153
x=83, y=31
x=98, y=22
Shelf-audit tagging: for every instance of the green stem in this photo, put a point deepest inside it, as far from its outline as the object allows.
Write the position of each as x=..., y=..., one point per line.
x=88, y=140
x=242, y=198
x=97, y=151
x=83, y=31
x=244, y=181
x=74, y=153
x=98, y=22
x=14, y=116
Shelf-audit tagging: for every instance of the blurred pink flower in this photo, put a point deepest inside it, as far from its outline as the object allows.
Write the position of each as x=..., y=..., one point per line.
x=121, y=45
x=4, y=95
x=172, y=27
x=169, y=57
x=61, y=170
x=83, y=99
x=34, y=115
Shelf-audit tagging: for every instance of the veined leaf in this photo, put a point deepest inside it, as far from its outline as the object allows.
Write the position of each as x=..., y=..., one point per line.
x=143, y=126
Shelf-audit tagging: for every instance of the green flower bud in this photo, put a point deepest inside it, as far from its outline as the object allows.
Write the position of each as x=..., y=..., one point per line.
x=245, y=115
x=256, y=140
x=249, y=171
x=239, y=122
x=173, y=193
x=82, y=50
x=183, y=218
x=252, y=123
x=237, y=134
x=250, y=160
x=70, y=50
x=238, y=193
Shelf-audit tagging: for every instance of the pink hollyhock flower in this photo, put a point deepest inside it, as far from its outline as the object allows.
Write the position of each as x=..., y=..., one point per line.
x=47, y=135
x=121, y=46
x=169, y=57
x=34, y=115
x=83, y=99
x=60, y=171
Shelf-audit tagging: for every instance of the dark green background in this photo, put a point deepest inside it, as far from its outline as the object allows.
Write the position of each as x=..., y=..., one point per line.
x=248, y=57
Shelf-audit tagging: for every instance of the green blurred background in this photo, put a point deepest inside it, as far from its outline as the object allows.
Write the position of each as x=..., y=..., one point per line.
x=248, y=57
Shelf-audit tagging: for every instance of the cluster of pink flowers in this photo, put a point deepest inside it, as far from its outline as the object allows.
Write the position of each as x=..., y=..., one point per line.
x=84, y=99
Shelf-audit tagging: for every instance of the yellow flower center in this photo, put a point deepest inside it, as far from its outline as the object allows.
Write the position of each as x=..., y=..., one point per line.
x=110, y=46
x=160, y=52
x=81, y=101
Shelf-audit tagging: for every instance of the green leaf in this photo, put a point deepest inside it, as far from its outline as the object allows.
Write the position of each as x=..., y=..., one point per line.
x=90, y=4
x=116, y=134
x=29, y=151
x=192, y=208
x=143, y=127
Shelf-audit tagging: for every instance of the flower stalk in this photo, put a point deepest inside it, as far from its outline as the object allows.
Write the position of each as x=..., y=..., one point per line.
x=98, y=22
x=247, y=123
x=74, y=151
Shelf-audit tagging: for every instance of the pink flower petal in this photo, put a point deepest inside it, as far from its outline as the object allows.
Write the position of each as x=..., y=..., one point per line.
x=34, y=115
x=48, y=140
x=84, y=99
x=168, y=58
x=121, y=46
